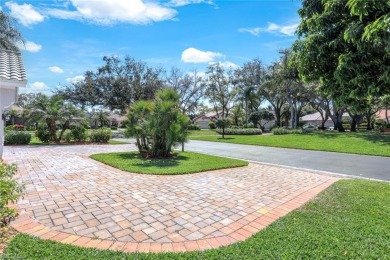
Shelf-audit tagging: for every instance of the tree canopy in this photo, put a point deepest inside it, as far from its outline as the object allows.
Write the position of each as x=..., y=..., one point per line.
x=9, y=34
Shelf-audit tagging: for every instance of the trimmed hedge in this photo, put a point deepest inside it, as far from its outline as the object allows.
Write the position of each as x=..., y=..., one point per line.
x=193, y=127
x=102, y=135
x=241, y=131
x=285, y=131
x=17, y=137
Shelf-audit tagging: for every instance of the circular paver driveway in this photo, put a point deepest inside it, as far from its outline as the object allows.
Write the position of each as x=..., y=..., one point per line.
x=72, y=198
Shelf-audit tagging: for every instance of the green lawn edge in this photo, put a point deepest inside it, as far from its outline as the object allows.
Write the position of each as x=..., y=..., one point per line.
x=349, y=220
x=182, y=163
x=362, y=144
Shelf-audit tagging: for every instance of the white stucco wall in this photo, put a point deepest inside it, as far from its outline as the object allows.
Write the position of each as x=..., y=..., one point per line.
x=7, y=98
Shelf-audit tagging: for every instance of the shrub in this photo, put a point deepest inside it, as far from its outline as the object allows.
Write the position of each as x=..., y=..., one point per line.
x=17, y=137
x=114, y=128
x=158, y=125
x=102, y=135
x=241, y=131
x=250, y=125
x=194, y=127
x=78, y=133
x=68, y=137
x=285, y=131
x=10, y=191
x=212, y=125
x=43, y=134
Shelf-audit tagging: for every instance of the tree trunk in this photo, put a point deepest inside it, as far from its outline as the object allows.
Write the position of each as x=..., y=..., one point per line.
x=369, y=121
x=338, y=123
x=277, y=116
x=246, y=112
x=353, y=124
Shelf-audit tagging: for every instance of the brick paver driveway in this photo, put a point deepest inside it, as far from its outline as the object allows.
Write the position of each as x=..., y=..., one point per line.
x=74, y=199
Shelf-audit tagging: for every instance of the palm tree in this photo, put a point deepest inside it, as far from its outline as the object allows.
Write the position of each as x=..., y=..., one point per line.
x=53, y=112
x=9, y=34
x=101, y=117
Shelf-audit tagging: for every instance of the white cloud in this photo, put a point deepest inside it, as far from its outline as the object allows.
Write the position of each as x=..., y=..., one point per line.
x=288, y=30
x=75, y=79
x=192, y=55
x=253, y=31
x=113, y=11
x=38, y=86
x=56, y=69
x=25, y=13
x=226, y=64
x=178, y=3
x=30, y=46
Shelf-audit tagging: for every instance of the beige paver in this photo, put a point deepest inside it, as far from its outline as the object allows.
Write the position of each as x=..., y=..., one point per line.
x=77, y=200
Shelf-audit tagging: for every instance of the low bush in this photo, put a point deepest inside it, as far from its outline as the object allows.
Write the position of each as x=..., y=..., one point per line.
x=102, y=135
x=212, y=125
x=241, y=131
x=250, y=125
x=14, y=128
x=10, y=191
x=114, y=128
x=78, y=133
x=194, y=127
x=16, y=137
x=68, y=137
x=43, y=134
x=286, y=131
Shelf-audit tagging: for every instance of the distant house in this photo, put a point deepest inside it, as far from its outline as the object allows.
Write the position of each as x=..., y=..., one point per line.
x=315, y=119
x=204, y=120
x=114, y=119
x=383, y=114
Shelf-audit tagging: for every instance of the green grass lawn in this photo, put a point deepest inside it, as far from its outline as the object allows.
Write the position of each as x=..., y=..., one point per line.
x=194, y=133
x=350, y=220
x=357, y=143
x=182, y=163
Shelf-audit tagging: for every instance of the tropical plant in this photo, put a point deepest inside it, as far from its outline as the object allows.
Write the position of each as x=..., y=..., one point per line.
x=17, y=137
x=101, y=135
x=10, y=191
x=55, y=113
x=222, y=123
x=101, y=117
x=158, y=125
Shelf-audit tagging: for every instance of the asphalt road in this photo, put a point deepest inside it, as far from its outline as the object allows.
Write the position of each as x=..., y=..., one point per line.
x=373, y=167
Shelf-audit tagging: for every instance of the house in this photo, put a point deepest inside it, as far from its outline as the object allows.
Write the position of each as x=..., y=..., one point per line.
x=114, y=119
x=316, y=119
x=204, y=119
x=383, y=114
x=12, y=77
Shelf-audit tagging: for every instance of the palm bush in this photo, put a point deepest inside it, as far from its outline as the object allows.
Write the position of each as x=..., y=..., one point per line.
x=158, y=125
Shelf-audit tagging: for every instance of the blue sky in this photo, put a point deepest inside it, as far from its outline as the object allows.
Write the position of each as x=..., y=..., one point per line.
x=64, y=38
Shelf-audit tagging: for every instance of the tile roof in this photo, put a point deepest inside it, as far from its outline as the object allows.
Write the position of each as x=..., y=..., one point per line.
x=11, y=66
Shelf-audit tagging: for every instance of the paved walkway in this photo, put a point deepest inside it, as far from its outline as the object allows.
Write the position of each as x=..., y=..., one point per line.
x=73, y=199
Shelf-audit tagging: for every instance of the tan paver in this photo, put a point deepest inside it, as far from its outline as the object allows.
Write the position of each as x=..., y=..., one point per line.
x=76, y=200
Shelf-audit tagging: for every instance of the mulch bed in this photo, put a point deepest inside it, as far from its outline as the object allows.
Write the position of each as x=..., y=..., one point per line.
x=6, y=235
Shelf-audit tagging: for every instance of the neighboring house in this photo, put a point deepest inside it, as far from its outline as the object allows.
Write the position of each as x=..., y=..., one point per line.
x=204, y=120
x=315, y=119
x=114, y=118
x=12, y=77
x=383, y=114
